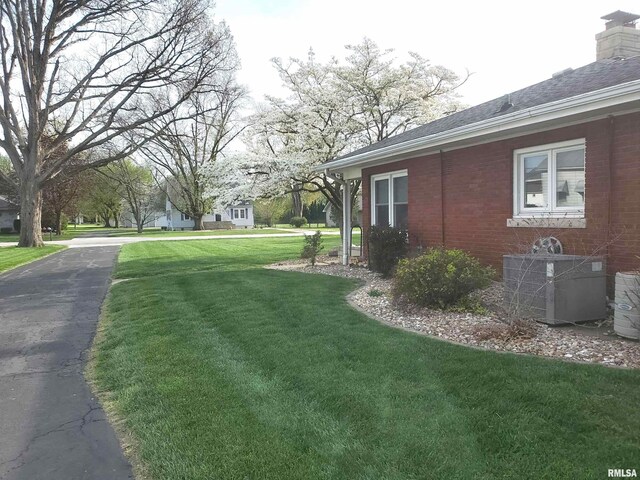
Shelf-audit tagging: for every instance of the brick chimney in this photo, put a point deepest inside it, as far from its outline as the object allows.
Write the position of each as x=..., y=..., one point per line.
x=620, y=38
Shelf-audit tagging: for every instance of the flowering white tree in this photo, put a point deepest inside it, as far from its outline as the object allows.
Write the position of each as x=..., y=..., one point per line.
x=337, y=107
x=250, y=175
x=384, y=100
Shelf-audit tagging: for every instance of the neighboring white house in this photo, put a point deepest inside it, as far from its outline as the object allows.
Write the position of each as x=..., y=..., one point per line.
x=236, y=216
x=330, y=219
x=8, y=213
x=157, y=219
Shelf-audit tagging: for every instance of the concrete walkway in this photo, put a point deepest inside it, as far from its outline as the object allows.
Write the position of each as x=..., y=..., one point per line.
x=107, y=240
x=51, y=426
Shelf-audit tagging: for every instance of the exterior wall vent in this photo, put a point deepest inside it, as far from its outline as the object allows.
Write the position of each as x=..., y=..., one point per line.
x=562, y=72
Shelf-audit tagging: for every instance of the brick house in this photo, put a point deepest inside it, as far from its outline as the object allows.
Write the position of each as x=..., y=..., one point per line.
x=559, y=158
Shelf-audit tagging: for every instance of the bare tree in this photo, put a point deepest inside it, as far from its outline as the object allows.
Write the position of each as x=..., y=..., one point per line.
x=86, y=73
x=61, y=196
x=137, y=189
x=61, y=193
x=186, y=144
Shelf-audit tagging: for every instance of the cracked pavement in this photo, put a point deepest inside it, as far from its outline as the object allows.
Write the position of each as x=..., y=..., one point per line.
x=51, y=425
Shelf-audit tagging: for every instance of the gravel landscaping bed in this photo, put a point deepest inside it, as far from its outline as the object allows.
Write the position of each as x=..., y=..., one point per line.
x=585, y=343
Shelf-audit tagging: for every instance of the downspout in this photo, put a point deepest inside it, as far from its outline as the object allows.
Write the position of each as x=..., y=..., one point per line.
x=442, y=195
x=610, y=132
x=346, y=216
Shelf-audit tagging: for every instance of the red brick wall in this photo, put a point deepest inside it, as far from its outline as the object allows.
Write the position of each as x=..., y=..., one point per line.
x=477, y=195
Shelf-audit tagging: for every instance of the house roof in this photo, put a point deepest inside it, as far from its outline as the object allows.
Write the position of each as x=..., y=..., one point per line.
x=6, y=205
x=564, y=85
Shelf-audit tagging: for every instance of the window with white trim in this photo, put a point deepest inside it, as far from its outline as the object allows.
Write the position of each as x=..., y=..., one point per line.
x=549, y=180
x=390, y=199
x=184, y=217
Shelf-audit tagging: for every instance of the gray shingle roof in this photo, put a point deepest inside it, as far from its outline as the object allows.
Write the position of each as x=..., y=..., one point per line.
x=592, y=77
x=6, y=205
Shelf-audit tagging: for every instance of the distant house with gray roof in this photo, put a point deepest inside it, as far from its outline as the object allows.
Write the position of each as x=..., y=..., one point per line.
x=239, y=215
x=9, y=212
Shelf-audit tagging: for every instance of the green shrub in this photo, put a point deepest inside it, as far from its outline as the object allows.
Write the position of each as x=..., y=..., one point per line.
x=375, y=293
x=298, y=222
x=64, y=222
x=440, y=278
x=6, y=230
x=312, y=246
x=469, y=304
x=387, y=245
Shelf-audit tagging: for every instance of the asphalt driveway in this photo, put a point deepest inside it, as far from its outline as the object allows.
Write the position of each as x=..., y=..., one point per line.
x=51, y=426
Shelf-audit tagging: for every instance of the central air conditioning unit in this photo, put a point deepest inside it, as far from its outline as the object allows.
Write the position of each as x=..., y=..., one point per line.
x=556, y=289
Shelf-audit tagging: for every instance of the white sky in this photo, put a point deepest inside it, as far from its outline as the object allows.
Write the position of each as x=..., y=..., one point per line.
x=507, y=45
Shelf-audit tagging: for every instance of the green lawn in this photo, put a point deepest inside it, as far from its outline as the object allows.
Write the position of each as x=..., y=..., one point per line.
x=11, y=257
x=156, y=232
x=90, y=229
x=68, y=234
x=222, y=369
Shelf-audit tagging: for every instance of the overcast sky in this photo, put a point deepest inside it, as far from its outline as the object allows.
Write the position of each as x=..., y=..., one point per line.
x=506, y=45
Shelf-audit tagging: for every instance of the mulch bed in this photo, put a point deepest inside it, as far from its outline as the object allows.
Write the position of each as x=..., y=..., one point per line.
x=592, y=343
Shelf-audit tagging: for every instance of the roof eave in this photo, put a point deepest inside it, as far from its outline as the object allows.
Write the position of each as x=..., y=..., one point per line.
x=573, y=106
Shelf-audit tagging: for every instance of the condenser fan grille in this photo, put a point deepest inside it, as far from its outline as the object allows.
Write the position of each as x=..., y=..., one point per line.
x=547, y=245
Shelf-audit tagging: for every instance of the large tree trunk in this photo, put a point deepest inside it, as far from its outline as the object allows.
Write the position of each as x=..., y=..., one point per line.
x=59, y=223
x=197, y=222
x=30, y=214
x=106, y=217
x=139, y=223
x=298, y=205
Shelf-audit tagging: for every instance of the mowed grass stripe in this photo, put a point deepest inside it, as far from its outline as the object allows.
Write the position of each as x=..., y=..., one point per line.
x=249, y=373
x=12, y=257
x=282, y=334
x=307, y=418
x=168, y=258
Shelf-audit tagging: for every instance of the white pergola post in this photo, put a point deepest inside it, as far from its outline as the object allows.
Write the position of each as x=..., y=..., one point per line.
x=346, y=222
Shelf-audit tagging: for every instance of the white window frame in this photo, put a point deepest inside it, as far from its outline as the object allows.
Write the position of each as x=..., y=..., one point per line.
x=385, y=176
x=184, y=217
x=551, y=211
